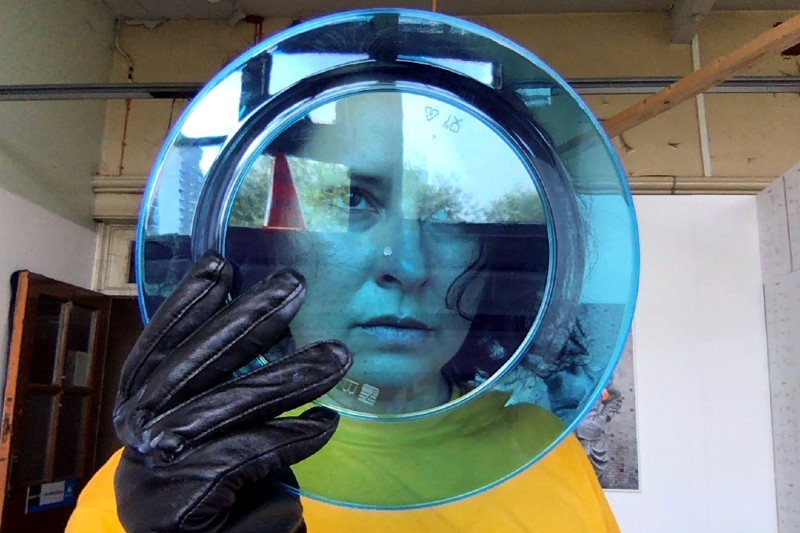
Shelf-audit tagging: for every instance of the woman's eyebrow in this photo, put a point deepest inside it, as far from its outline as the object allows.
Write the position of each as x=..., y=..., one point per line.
x=369, y=180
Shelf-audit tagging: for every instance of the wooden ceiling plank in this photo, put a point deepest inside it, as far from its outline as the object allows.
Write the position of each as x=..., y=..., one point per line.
x=775, y=39
x=686, y=17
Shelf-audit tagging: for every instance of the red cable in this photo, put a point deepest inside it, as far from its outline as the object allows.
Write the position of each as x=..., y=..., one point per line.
x=258, y=22
x=124, y=136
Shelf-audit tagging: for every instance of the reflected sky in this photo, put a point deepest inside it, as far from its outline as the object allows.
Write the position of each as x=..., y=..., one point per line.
x=453, y=145
x=217, y=114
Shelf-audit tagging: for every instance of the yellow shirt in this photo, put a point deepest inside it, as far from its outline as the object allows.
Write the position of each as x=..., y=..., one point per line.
x=559, y=494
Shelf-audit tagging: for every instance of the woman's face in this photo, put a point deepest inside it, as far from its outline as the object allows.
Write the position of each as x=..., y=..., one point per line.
x=380, y=253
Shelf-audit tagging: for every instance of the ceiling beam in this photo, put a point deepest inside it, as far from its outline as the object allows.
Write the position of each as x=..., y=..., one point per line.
x=686, y=17
x=188, y=90
x=775, y=39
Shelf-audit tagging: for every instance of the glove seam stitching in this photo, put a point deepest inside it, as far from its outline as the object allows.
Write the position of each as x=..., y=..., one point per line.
x=287, y=397
x=182, y=313
x=224, y=349
x=244, y=465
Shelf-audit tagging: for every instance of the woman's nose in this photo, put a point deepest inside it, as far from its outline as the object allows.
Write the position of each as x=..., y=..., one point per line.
x=402, y=257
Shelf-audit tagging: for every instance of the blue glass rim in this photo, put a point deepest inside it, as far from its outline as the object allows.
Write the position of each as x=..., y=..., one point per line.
x=265, y=46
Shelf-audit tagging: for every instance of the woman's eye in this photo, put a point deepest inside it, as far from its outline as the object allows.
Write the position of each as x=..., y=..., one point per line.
x=354, y=200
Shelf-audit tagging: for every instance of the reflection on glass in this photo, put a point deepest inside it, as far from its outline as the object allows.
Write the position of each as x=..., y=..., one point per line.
x=69, y=437
x=420, y=233
x=79, y=334
x=76, y=368
x=37, y=416
x=414, y=211
x=78, y=356
x=288, y=69
x=46, y=340
x=218, y=113
x=479, y=70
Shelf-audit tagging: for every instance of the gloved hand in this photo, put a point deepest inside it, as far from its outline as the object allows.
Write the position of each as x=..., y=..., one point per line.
x=204, y=452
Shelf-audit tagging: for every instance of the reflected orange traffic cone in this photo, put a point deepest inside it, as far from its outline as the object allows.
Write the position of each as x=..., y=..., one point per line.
x=284, y=209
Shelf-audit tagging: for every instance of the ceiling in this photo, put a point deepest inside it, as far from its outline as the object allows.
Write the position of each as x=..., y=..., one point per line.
x=144, y=10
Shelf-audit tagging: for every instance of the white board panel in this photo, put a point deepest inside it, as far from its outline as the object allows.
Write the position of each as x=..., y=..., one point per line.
x=782, y=303
x=773, y=229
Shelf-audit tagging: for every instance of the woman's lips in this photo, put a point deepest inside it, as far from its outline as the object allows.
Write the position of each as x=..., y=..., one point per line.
x=398, y=332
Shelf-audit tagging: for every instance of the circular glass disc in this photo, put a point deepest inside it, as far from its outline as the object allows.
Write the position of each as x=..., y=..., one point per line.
x=461, y=220
x=405, y=214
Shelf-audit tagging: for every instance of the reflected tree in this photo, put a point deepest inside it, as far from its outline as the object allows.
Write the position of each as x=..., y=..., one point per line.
x=252, y=198
x=321, y=186
x=517, y=206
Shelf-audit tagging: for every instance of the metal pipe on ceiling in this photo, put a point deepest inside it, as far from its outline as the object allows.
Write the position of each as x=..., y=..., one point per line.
x=584, y=86
x=744, y=84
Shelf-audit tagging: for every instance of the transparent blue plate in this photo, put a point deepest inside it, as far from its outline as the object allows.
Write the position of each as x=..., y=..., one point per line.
x=462, y=222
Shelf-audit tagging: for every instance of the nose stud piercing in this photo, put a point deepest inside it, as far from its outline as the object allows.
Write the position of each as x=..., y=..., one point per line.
x=387, y=251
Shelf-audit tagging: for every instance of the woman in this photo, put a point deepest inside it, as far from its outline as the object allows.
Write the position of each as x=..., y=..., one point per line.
x=421, y=288
x=430, y=286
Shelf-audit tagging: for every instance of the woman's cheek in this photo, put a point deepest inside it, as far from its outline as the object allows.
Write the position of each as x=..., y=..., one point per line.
x=455, y=255
x=349, y=250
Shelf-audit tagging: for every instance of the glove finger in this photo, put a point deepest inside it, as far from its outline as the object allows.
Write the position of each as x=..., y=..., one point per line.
x=265, y=393
x=198, y=296
x=248, y=456
x=226, y=342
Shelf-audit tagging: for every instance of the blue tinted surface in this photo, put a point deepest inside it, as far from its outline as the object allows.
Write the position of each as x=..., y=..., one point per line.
x=417, y=227
x=463, y=222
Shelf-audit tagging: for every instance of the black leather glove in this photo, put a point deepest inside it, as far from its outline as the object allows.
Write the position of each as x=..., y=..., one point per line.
x=204, y=452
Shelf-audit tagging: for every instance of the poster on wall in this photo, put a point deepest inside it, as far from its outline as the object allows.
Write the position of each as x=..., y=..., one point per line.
x=608, y=433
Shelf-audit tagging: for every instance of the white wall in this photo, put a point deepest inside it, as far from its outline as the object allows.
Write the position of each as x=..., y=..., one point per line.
x=50, y=149
x=35, y=239
x=703, y=407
